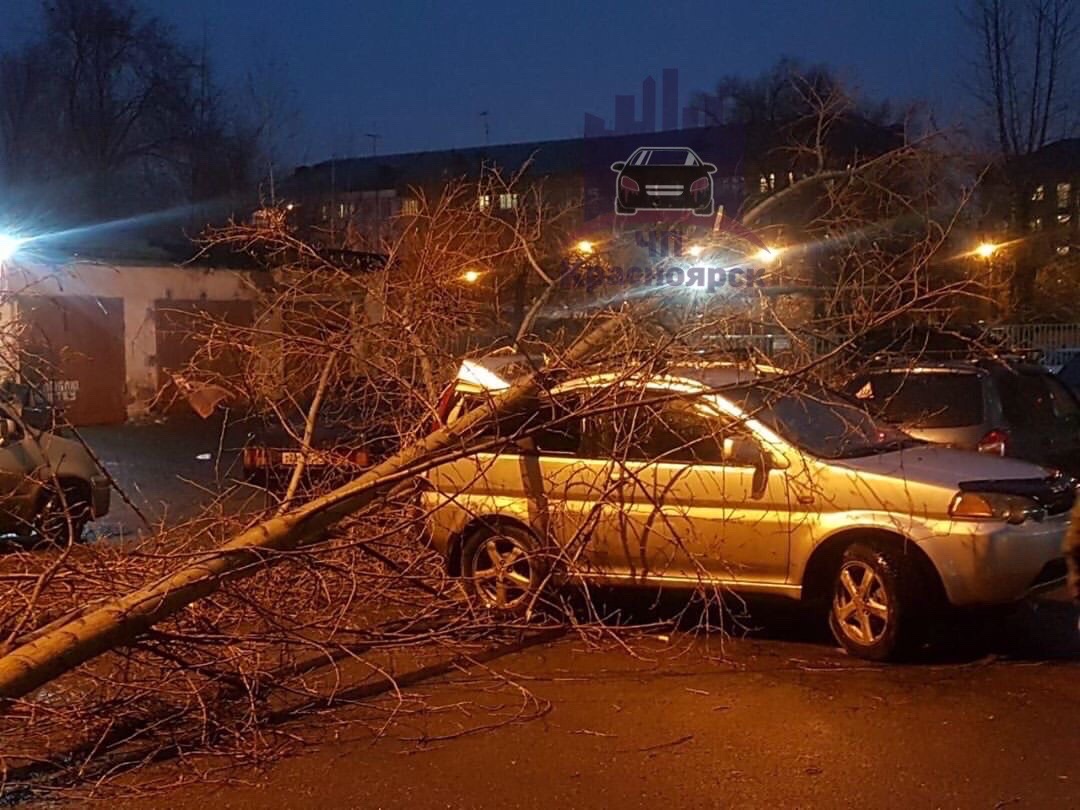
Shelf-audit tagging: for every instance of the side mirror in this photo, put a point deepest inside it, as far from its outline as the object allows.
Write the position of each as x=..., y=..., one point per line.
x=8, y=429
x=709, y=167
x=744, y=452
x=618, y=167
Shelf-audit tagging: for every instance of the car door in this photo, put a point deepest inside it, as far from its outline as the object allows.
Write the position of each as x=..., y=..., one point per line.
x=18, y=458
x=680, y=508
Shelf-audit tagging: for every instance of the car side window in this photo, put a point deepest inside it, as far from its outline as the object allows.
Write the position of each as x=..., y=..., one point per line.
x=549, y=426
x=1062, y=399
x=1025, y=399
x=670, y=431
x=561, y=434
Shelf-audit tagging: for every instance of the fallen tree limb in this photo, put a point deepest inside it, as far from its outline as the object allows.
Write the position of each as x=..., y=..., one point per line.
x=122, y=620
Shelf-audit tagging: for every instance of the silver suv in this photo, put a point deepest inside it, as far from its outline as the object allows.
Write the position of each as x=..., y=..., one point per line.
x=759, y=487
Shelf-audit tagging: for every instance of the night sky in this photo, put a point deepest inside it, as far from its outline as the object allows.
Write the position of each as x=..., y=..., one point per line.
x=419, y=73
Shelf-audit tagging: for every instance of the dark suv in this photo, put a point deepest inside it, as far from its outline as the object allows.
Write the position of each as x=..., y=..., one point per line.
x=993, y=406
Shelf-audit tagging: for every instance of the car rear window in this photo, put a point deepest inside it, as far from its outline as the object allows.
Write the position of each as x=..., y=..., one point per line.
x=929, y=399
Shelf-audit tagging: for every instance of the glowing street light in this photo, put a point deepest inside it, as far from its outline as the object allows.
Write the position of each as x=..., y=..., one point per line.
x=986, y=250
x=695, y=250
x=9, y=245
x=585, y=246
x=767, y=255
x=470, y=276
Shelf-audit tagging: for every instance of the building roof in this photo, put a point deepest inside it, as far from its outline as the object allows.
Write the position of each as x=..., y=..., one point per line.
x=723, y=145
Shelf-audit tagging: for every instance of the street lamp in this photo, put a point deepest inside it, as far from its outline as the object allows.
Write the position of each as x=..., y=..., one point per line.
x=470, y=276
x=9, y=245
x=695, y=250
x=986, y=250
x=585, y=246
x=767, y=255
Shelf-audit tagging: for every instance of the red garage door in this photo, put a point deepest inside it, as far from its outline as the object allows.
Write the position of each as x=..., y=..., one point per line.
x=73, y=348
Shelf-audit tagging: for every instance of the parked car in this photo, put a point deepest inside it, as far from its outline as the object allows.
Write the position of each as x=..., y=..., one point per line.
x=1069, y=374
x=50, y=487
x=355, y=428
x=993, y=406
x=763, y=488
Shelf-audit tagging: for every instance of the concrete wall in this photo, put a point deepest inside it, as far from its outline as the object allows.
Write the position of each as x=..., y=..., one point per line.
x=140, y=286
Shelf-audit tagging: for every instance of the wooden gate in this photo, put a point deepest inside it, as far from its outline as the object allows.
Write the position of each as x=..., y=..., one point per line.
x=73, y=349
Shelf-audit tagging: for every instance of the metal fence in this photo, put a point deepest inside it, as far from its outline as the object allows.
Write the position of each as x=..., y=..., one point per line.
x=1058, y=342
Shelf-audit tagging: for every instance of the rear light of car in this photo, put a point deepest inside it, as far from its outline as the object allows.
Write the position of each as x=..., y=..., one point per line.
x=628, y=184
x=995, y=443
x=256, y=457
x=699, y=186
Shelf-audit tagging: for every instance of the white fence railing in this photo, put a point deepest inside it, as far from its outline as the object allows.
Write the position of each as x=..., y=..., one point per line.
x=1058, y=342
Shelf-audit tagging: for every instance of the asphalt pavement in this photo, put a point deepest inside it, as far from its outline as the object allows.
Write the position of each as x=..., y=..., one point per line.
x=778, y=719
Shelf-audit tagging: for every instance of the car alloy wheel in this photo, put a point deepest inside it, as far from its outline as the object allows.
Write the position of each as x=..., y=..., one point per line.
x=861, y=604
x=502, y=570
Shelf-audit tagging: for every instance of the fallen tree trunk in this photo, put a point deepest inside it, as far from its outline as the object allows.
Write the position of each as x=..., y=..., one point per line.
x=122, y=620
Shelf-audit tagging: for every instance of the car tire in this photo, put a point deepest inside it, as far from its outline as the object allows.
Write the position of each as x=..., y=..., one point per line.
x=503, y=569
x=876, y=610
x=56, y=525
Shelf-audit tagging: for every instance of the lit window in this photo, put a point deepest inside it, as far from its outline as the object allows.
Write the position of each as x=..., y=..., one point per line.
x=484, y=201
x=341, y=210
x=1038, y=194
x=791, y=178
x=1063, y=192
x=772, y=181
x=763, y=184
x=1063, y=250
x=410, y=207
x=1036, y=224
x=1063, y=218
x=507, y=200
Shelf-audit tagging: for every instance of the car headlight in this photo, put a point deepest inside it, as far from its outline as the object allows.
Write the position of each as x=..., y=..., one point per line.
x=995, y=506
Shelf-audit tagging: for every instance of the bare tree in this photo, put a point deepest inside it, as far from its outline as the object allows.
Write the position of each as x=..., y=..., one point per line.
x=1026, y=69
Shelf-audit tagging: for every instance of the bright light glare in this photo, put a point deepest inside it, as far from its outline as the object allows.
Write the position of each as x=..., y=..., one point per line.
x=585, y=246
x=695, y=250
x=472, y=372
x=986, y=250
x=8, y=245
x=767, y=255
x=470, y=276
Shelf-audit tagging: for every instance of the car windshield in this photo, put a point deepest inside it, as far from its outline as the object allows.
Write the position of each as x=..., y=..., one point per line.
x=665, y=157
x=818, y=421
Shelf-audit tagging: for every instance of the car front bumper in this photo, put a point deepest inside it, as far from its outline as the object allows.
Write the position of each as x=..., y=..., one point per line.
x=988, y=563
x=100, y=495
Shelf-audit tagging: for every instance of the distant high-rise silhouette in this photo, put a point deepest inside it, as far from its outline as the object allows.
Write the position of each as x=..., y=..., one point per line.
x=626, y=123
x=648, y=105
x=624, y=115
x=671, y=98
